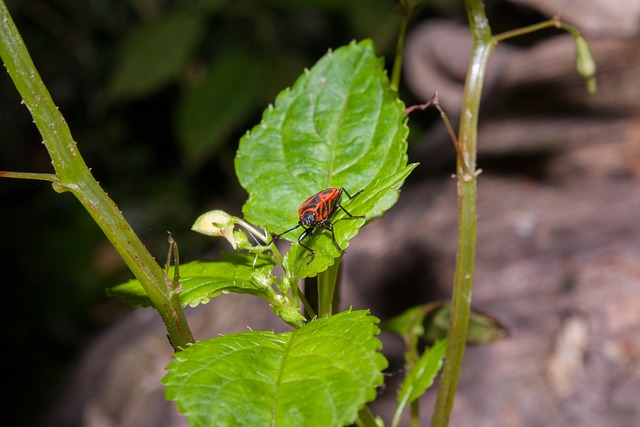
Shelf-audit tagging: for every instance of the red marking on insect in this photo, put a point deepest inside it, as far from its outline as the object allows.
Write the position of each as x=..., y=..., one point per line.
x=317, y=212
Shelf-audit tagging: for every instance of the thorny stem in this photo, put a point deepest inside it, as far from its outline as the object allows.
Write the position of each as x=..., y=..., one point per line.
x=72, y=174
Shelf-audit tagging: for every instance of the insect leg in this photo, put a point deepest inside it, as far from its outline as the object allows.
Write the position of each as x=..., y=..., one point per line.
x=333, y=236
x=349, y=213
x=277, y=236
x=305, y=233
x=349, y=195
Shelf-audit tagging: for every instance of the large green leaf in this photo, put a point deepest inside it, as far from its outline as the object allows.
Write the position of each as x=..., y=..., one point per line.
x=156, y=53
x=203, y=280
x=317, y=375
x=340, y=125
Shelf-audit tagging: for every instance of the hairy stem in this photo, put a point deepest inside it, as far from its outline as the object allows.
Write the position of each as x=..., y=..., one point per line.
x=73, y=175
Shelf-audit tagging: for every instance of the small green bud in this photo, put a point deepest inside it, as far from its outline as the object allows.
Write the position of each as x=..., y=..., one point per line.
x=291, y=315
x=585, y=64
x=216, y=223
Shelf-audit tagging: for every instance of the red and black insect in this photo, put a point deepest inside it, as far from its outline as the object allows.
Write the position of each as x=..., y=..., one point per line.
x=317, y=212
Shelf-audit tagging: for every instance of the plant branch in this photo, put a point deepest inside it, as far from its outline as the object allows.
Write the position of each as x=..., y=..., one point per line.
x=397, y=62
x=51, y=177
x=406, y=8
x=555, y=22
x=452, y=135
x=463, y=277
x=585, y=63
x=72, y=174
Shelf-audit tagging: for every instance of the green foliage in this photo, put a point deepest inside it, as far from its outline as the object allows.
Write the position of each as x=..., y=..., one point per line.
x=422, y=374
x=430, y=322
x=155, y=53
x=420, y=377
x=345, y=97
x=210, y=109
x=223, y=72
x=483, y=328
x=317, y=375
x=202, y=280
x=340, y=125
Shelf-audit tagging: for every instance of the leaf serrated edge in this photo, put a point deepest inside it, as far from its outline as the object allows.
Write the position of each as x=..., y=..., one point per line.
x=361, y=319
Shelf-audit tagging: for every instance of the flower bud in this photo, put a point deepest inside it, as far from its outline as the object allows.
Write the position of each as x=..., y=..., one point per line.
x=585, y=64
x=216, y=223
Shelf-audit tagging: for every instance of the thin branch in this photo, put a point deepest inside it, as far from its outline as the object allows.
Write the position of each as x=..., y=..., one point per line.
x=452, y=134
x=51, y=177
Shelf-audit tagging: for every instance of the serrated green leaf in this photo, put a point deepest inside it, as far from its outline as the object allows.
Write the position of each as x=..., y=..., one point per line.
x=203, y=280
x=367, y=203
x=409, y=322
x=340, y=125
x=156, y=53
x=430, y=322
x=211, y=108
x=420, y=377
x=317, y=375
x=483, y=328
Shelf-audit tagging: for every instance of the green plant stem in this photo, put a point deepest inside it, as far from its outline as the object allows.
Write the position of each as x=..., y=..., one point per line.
x=73, y=175
x=554, y=22
x=415, y=413
x=327, y=289
x=51, y=177
x=310, y=312
x=466, y=181
x=484, y=43
x=397, y=62
x=526, y=30
x=366, y=418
